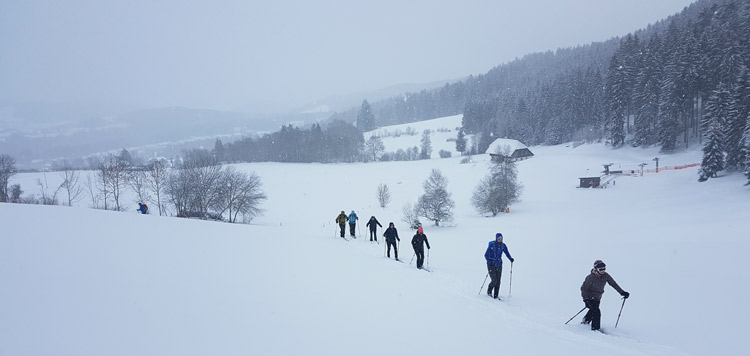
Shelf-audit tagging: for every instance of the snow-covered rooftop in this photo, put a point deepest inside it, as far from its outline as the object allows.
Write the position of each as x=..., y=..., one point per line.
x=501, y=143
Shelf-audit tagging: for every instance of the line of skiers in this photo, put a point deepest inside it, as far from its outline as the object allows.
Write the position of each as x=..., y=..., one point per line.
x=390, y=234
x=592, y=288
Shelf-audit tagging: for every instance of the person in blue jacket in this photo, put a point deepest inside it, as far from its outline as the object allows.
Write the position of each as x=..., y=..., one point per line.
x=494, y=257
x=352, y=223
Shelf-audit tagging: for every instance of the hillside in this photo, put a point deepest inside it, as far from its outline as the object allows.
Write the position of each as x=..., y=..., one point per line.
x=90, y=282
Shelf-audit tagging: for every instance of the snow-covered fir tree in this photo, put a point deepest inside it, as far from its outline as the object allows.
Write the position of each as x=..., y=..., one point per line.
x=426, y=151
x=718, y=108
x=461, y=141
x=365, y=118
x=498, y=190
x=616, y=109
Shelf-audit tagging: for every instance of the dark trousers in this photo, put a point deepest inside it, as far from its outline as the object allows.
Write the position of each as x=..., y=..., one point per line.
x=495, y=273
x=420, y=256
x=395, y=249
x=594, y=315
x=343, y=229
x=373, y=234
x=351, y=228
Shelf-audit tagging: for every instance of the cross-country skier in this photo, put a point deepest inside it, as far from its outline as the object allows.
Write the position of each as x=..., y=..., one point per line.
x=352, y=223
x=373, y=224
x=494, y=257
x=417, y=242
x=391, y=235
x=592, y=290
x=341, y=220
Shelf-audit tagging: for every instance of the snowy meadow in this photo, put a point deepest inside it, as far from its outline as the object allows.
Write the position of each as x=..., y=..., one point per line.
x=79, y=281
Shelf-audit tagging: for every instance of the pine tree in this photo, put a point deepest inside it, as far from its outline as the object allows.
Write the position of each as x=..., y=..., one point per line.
x=718, y=108
x=461, y=141
x=648, y=96
x=365, y=118
x=426, y=152
x=616, y=103
x=498, y=189
x=219, y=151
x=735, y=144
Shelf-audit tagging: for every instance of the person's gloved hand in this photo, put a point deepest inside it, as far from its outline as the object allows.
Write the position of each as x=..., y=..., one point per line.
x=511, y=260
x=625, y=295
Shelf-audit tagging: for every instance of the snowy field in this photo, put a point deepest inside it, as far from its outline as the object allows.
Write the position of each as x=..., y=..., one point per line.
x=78, y=281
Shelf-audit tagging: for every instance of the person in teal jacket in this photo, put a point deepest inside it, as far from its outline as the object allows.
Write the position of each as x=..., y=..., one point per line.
x=494, y=257
x=352, y=223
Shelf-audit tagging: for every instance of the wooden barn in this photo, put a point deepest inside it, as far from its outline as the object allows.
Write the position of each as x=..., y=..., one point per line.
x=504, y=149
x=590, y=182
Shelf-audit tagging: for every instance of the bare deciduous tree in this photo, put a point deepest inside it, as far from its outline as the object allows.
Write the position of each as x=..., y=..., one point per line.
x=410, y=216
x=156, y=182
x=241, y=194
x=194, y=188
x=7, y=170
x=374, y=147
x=112, y=177
x=47, y=199
x=71, y=183
x=436, y=203
x=91, y=186
x=137, y=181
x=384, y=195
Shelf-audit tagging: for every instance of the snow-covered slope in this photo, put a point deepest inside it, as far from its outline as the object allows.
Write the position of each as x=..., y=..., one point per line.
x=78, y=281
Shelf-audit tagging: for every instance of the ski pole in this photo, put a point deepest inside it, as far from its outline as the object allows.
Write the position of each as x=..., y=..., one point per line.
x=618, y=315
x=584, y=308
x=510, y=283
x=412, y=257
x=485, y=281
x=385, y=247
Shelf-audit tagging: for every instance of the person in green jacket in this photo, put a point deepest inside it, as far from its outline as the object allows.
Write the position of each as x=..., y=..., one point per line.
x=341, y=220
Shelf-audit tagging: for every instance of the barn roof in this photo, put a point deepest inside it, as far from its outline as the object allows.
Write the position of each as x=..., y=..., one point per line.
x=501, y=143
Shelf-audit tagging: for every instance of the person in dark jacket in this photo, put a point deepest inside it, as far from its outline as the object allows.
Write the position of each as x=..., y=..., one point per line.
x=143, y=208
x=373, y=224
x=341, y=220
x=352, y=223
x=391, y=235
x=592, y=290
x=418, y=242
x=494, y=257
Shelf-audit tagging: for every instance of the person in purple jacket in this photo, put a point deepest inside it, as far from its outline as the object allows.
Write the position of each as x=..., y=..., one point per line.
x=494, y=257
x=592, y=290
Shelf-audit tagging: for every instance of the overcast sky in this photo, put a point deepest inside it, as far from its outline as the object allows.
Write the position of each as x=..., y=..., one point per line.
x=264, y=55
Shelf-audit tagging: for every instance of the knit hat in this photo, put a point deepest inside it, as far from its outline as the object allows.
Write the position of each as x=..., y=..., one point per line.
x=420, y=230
x=498, y=236
x=599, y=264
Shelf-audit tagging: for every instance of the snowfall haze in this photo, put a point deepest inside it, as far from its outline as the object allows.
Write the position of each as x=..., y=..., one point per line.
x=78, y=281
x=273, y=56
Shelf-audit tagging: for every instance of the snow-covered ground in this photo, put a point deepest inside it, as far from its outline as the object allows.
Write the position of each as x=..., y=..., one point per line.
x=78, y=281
